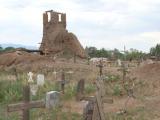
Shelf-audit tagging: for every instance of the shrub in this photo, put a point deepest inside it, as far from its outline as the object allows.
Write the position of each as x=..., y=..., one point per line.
x=117, y=90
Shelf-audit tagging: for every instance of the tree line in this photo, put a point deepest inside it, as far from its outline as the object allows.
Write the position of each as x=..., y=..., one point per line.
x=155, y=51
x=6, y=49
x=131, y=54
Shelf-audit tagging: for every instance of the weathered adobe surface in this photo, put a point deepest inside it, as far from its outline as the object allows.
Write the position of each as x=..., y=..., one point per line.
x=18, y=57
x=56, y=37
x=24, y=61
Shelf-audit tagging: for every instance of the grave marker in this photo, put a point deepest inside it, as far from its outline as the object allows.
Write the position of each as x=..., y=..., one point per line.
x=96, y=111
x=100, y=65
x=119, y=63
x=52, y=99
x=80, y=89
x=30, y=75
x=40, y=79
x=55, y=74
x=89, y=109
x=26, y=105
x=33, y=89
x=70, y=74
x=63, y=81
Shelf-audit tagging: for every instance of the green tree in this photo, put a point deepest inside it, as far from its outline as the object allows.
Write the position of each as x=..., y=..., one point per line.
x=117, y=54
x=91, y=51
x=9, y=48
x=134, y=54
x=155, y=51
x=1, y=49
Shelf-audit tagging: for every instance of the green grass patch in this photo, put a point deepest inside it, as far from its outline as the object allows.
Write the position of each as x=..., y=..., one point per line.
x=90, y=88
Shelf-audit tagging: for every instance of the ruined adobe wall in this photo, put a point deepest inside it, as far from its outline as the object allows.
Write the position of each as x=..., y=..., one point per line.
x=56, y=38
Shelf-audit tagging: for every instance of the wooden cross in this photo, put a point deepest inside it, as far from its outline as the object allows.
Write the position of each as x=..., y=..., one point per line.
x=26, y=105
x=70, y=75
x=124, y=71
x=63, y=81
x=100, y=65
x=95, y=110
x=124, y=51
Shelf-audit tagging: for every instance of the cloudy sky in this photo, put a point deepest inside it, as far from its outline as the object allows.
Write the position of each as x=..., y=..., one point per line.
x=100, y=23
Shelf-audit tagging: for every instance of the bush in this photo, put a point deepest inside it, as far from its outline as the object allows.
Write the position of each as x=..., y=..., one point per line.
x=117, y=90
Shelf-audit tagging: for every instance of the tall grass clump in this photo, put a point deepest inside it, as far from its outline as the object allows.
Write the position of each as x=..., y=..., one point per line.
x=90, y=88
x=10, y=91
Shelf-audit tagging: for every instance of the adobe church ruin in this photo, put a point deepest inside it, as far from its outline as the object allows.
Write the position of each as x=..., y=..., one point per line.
x=56, y=38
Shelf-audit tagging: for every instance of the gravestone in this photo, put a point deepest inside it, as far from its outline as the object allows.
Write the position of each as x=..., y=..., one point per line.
x=52, y=99
x=30, y=75
x=40, y=79
x=33, y=89
x=80, y=89
x=55, y=74
x=119, y=63
x=88, y=110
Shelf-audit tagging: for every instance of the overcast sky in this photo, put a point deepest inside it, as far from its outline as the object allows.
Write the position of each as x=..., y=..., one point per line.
x=100, y=23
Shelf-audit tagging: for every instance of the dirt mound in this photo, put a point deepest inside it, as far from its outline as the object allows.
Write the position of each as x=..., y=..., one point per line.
x=147, y=79
x=18, y=57
x=21, y=61
x=148, y=72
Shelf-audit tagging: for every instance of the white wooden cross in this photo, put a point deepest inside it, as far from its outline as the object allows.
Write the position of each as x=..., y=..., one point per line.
x=55, y=74
x=30, y=75
x=119, y=62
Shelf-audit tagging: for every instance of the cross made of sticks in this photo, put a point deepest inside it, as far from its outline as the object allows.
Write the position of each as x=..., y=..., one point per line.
x=26, y=105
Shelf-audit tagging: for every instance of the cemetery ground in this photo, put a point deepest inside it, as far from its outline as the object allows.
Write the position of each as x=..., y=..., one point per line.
x=143, y=106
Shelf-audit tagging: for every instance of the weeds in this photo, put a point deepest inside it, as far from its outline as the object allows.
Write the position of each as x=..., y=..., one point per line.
x=117, y=90
x=112, y=78
x=70, y=92
x=10, y=91
x=90, y=88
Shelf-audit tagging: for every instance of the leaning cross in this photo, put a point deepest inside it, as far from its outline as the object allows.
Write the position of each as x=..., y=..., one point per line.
x=26, y=104
x=94, y=108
